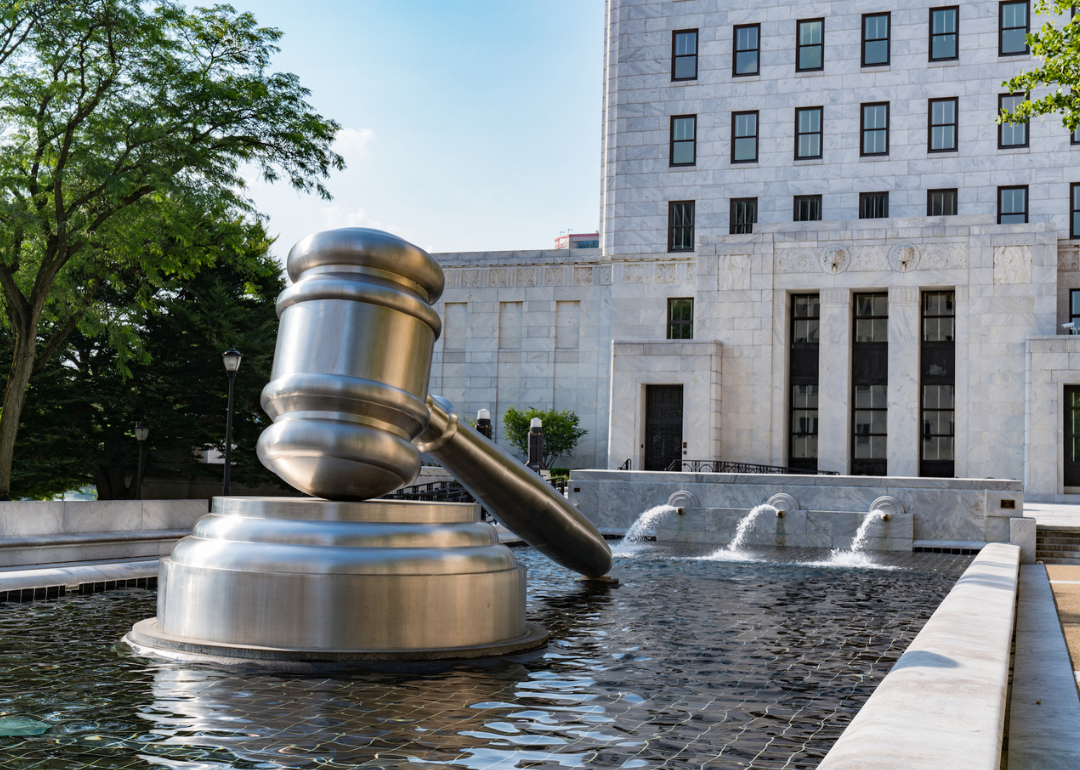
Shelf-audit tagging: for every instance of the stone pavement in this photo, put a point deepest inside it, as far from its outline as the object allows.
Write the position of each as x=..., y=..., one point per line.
x=1054, y=514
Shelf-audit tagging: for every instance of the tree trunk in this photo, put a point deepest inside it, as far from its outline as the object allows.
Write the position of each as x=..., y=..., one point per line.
x=22, y=366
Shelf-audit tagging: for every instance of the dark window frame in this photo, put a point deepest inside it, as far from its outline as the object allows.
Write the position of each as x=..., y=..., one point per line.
x=799, y=47
x=1027, y=202
x=1001, y=26
x=735, y=51
x=956, y=201
x=1073, y=138
x=803, y=362
x=697, y=44
x=820, y=133
x=887, y=39
x=731, y=217
x=930, y=51
x=1074, y=210
x=809, y=198
x=930, y=125
x=938, y=369
x=680, y=323
x=671, y=141
x=1074, y=317
x=1001, y=126
x=672, y=226
x=756, y=135
x=866, y=466
x=863, y=129
x=864, y=195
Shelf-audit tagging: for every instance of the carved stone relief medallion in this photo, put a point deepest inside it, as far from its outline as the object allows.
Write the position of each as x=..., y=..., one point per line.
x=904, y=257
x=835, y=259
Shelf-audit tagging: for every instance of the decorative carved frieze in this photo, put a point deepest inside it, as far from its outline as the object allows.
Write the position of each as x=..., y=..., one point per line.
x=903, y=295
x=634, y=273
x=734, y=272
x=497, y=276
x=797, y=261
x=834, y=297
x=904, y=257
x=1069, y=260
x=1012, y=264
x=665, y=272
x=470, y=278
x=835, y=259
x=943, y=256
x=525, y=276
x=605, y=274
x=583, y=276
x=554, y=276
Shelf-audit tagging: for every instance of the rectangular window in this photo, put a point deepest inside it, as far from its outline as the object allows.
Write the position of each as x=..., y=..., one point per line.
x=875, y=39
x=938, y=384
x=807, y=208
x=944, y=28
x=743, y=215
x=680, y=319
x=1012, y=205
x=1012, y=28
x=1075, y=137
x=1011, y=134
x=1074, y=216
x=870, y=382
x=681, y=226
x=803, y=373
x=941, y=203
x=744, y=127
x=684, y=54
x=808, y=133
x=875, y=129
x=683, y=149
x=1074, y=307
x=942, y=128
x=745, y=50
x=810, y=45
x=873, y=205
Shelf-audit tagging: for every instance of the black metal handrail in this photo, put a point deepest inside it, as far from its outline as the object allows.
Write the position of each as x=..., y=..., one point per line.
x=625, y=466
x=723, y=466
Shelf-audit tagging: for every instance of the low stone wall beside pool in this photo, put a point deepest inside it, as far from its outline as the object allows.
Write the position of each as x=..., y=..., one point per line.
x=819, y=511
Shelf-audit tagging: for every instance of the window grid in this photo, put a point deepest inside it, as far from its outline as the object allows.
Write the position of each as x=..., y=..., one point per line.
x=941, y=203
x=1074, y=213
x=807, y=208
x=1012, y=205
x=1013, y=28
x=938, y=385
x=1074, y=307
x=874, y=128
x=810, y=45
x=683, y=143
x=941, y=126
x=743, y=216
x=803, y=360
x=681, y=226
x=945, y=33
x=744, y=137
x=680, y=318
x=1012, y=135
x=746, y=50
x=870, y=372
x=684, y=54
x=873, y=205
x=875, y=39
x=808, y=132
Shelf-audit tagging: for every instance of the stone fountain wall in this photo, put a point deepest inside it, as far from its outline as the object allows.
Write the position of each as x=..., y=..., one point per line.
x=819, y=511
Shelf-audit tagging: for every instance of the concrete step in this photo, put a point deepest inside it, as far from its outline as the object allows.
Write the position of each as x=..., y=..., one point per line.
x=1055, y=553
x=1058, y=560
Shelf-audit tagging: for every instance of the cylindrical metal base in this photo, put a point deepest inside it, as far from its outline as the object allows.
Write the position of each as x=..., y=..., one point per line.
x=310, y=580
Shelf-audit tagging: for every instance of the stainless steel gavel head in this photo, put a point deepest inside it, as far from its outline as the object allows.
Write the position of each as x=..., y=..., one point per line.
x=350, y=379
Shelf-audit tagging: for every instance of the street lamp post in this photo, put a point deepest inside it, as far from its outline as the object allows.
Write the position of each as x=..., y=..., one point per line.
x=232, y=363
x=141, y=434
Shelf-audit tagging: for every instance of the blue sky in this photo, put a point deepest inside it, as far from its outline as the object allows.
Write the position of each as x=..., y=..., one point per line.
x=467, y=126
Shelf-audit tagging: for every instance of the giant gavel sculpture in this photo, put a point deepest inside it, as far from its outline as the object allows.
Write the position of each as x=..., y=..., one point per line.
x=339, y=575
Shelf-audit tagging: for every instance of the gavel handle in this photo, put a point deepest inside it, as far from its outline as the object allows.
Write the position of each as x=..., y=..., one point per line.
x=526, y=504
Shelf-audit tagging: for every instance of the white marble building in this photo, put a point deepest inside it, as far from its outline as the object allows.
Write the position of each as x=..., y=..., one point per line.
x=589, y=329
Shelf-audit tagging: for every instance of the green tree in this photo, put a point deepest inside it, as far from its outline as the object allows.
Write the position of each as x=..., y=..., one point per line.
x=83, y=404
x=1059, y=48
x=122, y=118
x=561, y=431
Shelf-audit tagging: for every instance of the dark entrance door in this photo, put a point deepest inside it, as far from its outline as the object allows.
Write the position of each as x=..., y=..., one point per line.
x=1072, y=435
x=663, y=426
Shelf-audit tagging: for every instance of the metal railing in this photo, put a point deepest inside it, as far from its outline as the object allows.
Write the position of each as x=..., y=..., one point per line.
x=625, y=466
x=435, y=491
x=722, y=466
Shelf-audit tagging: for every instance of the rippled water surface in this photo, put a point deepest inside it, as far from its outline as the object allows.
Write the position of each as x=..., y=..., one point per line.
x=687, y=663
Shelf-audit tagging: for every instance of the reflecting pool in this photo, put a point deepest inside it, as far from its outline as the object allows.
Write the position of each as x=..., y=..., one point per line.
x=686, y=663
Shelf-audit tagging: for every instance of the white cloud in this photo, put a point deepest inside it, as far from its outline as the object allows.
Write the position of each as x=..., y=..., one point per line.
x=336, y=215
x=352, y=143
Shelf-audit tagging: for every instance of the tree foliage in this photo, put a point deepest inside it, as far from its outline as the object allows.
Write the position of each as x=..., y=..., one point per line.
x=561, y=431
x=124, y=123
x=83, y=404
x=1058, y=45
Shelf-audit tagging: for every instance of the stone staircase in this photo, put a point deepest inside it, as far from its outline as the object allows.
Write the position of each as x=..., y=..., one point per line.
x=1057, y=545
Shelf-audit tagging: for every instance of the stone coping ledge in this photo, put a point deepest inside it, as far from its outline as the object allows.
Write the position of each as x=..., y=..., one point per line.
x=794, y=479
x=79, y=538
x=943, y=703
x=18, y=578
